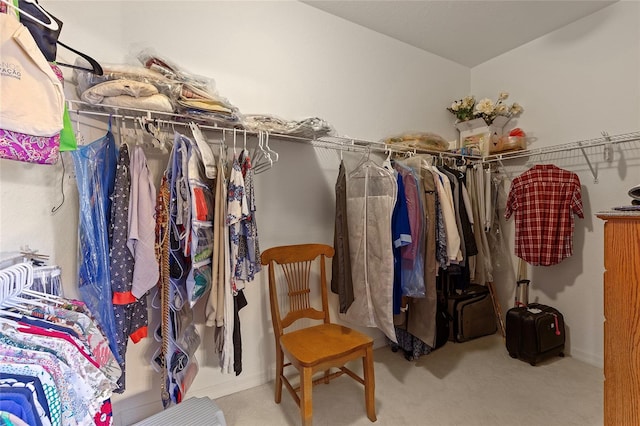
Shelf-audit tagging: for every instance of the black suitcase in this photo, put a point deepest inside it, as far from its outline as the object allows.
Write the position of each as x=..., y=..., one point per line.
x=471, y=314
x=535, y=332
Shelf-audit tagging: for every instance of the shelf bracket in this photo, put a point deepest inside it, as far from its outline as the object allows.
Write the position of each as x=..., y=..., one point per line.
x=608, y=148
x=594, y=172
x=504, y=169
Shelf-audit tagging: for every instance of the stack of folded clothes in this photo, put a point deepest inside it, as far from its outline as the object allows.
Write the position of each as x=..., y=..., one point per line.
x=425, y=141
x=158, y=85
x=125, y=86
x=194, y=96
x=310, y=128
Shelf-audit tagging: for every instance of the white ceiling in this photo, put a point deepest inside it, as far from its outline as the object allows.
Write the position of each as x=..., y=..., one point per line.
x=466, y=32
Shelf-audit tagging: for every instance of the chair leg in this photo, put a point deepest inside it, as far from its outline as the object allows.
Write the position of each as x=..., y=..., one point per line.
x=306, y=386
x=369, y=384
x=279, y=372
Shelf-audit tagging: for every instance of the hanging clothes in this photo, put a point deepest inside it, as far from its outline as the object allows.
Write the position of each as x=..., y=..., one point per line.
x=412, y=259
x=422, y=311
x=371, y=197
x=341, y=281
x=130, y=313
x=544, y=200
x=215, y=302
x=249, y=253
x=445, y=196
x=141, y=238
x=401, y=235
x=416, y=333
x=237, y=213
x=225, y=337
x=462, y=206
x=482, y=268
x=51, y=371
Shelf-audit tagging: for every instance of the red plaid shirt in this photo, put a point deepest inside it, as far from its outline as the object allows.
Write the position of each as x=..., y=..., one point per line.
x=544, y=200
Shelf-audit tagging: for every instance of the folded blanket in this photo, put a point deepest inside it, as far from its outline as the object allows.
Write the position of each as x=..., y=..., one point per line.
x=96, y=94
x=420, y=140
x=309, y=127
x=126, y=93
x=157, y=102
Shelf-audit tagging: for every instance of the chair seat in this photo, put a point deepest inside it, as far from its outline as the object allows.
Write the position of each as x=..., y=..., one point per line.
x=315, y=345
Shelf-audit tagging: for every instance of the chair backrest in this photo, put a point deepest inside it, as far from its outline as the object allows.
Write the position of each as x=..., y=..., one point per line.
x=296, y=263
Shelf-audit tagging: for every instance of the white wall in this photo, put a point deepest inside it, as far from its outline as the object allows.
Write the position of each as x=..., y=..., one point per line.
x=291, y=60
x=284, y=58
x=575, y=83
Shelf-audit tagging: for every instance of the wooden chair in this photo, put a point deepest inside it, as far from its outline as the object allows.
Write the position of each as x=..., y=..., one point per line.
x=319, y=347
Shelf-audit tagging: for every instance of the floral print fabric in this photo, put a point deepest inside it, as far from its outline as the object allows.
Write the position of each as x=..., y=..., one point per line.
x=28, y=148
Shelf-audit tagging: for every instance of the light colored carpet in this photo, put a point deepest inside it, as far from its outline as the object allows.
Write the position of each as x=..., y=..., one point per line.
x=464, y=384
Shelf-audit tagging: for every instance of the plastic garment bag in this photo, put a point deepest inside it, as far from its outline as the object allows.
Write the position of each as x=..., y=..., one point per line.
x=412, y=255
x=95, y=166
x=371, y=197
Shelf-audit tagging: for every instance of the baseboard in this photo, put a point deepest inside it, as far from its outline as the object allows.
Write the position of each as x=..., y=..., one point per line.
x=587, y=357
x=239, y=383
x=380, y=342
x=141, y=406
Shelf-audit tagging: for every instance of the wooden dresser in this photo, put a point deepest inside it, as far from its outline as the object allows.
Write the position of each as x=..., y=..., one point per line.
x=622, y=318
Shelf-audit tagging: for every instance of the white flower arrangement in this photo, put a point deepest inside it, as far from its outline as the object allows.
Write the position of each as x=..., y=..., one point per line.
x=467, y=108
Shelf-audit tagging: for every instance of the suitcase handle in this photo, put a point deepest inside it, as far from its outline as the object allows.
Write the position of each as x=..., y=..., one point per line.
x=555, y=319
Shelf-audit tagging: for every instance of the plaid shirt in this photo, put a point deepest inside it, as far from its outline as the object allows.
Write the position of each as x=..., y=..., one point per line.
x=544, y=199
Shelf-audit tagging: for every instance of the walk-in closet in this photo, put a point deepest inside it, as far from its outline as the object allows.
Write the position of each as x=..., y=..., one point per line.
x=152, y=152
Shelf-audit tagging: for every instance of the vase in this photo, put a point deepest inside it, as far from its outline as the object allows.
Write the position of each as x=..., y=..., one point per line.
x=499, y=122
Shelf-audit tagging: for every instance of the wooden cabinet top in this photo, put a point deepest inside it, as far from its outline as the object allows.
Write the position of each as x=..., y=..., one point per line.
x=615, y=214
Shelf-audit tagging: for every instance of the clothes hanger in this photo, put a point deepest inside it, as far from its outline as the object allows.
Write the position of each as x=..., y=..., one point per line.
x=14, y=280
x=265, y=165
x=206, y=154
x=387, y=161
x=268, y=153
x=4, y=313
x=366, y=162
x=53, y=25
x=95, y=66
x=49, y=298
x=257, y=154
x=234, y=144
x=271, y=151
x=244, y=146
x=223, y=150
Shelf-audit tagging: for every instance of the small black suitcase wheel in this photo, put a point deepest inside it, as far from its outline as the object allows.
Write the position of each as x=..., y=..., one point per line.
x=513, y=355
x=561, y=354
x=533, y=363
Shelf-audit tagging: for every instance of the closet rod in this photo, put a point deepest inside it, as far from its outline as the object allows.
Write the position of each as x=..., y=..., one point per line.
x=185, y=120
x=581, y=145
x=605, y=140
x=329, y=142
